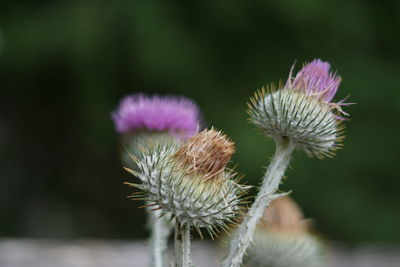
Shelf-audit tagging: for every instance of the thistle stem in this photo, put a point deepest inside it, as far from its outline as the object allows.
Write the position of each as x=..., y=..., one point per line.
x=183, y=256
x=159, y=237
x=271, y=180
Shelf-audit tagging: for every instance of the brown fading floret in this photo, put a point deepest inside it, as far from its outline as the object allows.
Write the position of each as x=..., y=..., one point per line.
x=206, y=153
x=285, y=215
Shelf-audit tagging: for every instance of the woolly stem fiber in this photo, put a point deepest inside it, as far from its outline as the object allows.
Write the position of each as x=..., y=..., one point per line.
x=159, y=237
x=183, y=256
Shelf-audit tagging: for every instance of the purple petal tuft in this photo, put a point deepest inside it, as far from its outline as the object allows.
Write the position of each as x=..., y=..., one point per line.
x=316, y=79
x=179, y=115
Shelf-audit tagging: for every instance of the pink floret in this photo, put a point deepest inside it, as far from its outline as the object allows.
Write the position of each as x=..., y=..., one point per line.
x=178, y=115
x=316, y=79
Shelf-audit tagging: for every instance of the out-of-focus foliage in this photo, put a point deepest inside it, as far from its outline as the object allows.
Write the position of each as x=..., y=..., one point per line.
x=65, y=64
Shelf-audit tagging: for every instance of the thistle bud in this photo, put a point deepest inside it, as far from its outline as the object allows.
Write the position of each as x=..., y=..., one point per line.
x=191, y=181
x=145, y=123
x=301, y=110
x=282, y=239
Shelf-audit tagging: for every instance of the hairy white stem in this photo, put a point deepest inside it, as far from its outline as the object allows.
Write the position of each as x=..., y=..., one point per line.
x=271, y=180
x=183, y=256
x=159, y=238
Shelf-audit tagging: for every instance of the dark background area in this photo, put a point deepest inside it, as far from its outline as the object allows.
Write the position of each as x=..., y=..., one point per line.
x=64, y=65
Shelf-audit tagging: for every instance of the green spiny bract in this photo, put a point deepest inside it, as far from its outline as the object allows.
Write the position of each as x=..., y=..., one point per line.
x=200, y=193
x=134, y=143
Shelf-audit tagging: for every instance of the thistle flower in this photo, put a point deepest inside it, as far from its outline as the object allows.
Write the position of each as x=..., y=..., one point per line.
x=146, y=122
x=302, y=110
x=283, y=239
x=191, y=181
x=178, y=116
x=299, y=115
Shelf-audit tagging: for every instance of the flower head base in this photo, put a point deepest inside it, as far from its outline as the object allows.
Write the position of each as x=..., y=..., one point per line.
x=271, y=249
x=173, y=179
x=176, y=115
x=283, y=239
x=301, y=111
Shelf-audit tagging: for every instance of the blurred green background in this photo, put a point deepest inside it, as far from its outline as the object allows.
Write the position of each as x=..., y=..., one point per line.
x=64, y=65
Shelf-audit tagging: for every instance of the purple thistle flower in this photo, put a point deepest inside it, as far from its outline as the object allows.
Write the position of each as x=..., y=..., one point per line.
x=316, y=79
x=178, y=115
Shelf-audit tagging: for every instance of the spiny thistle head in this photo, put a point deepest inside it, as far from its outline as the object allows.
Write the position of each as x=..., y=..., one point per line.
x=176, y=115
x=301, y=110
x=190, y=181
x=282, y=239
